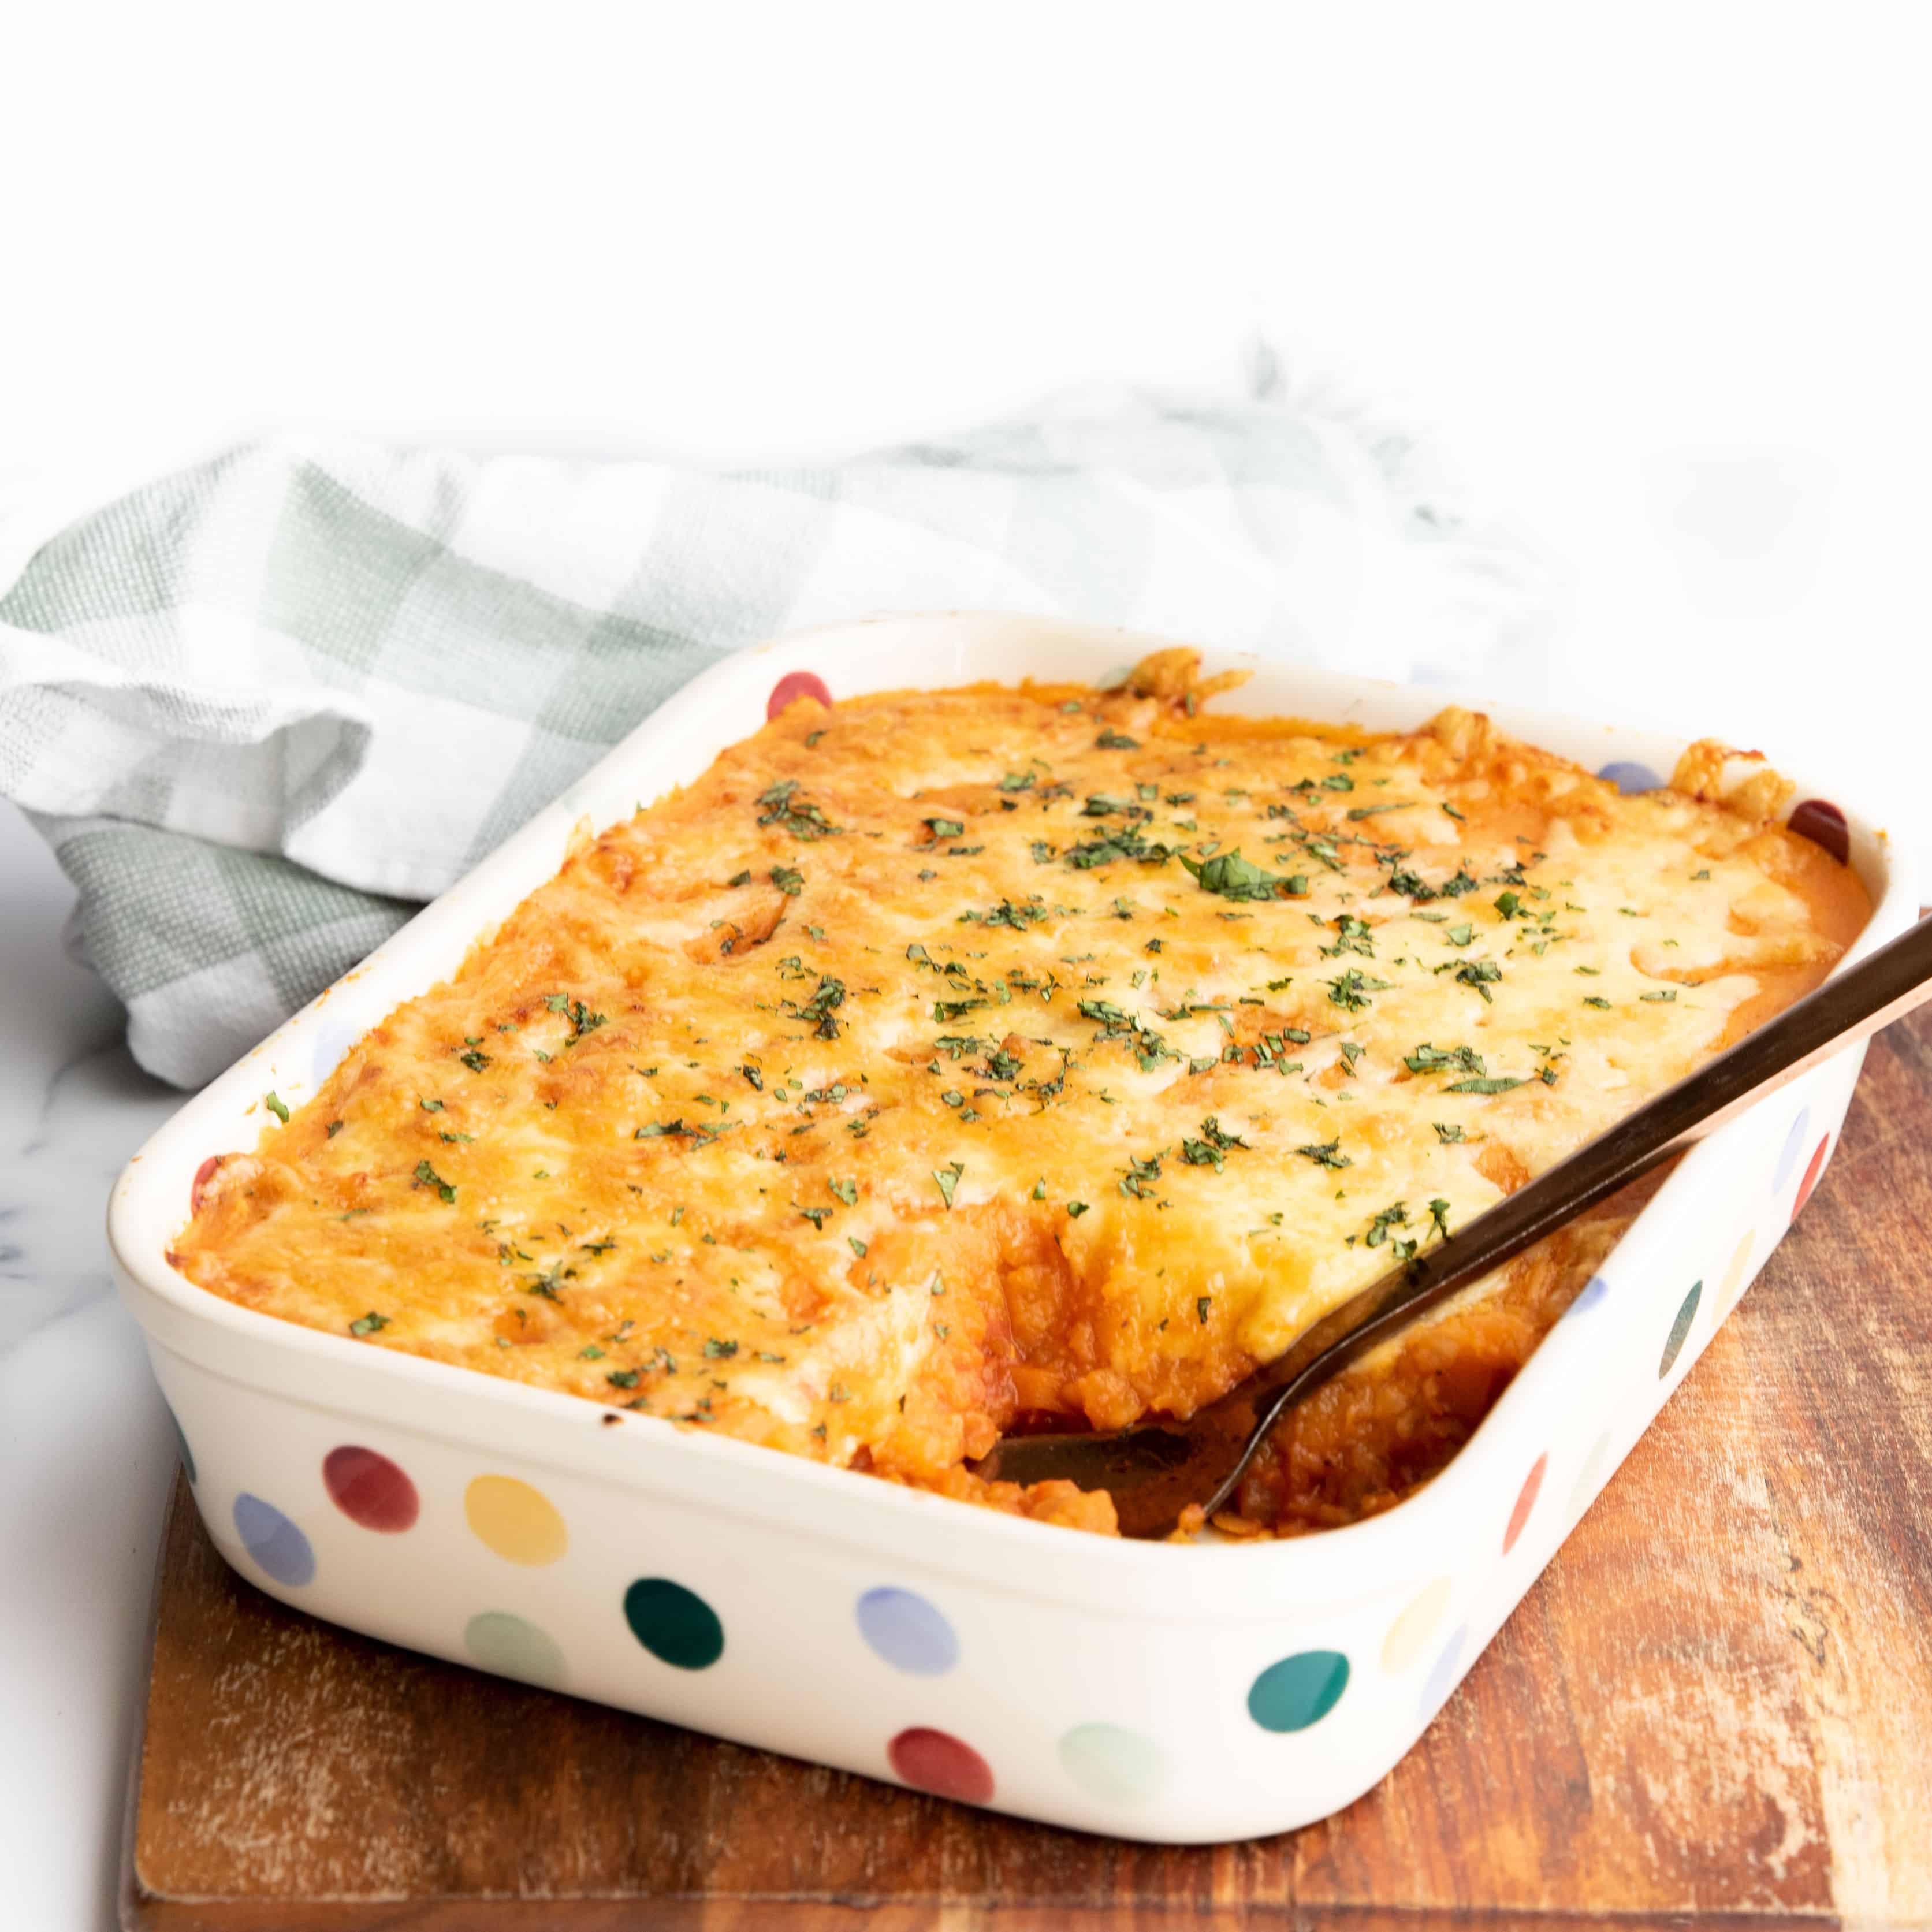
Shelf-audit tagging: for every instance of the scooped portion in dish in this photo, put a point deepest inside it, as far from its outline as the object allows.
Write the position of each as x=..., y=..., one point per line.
x=945, y=1058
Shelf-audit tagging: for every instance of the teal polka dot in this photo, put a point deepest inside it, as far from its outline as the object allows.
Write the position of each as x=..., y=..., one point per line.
x=181, y=1443
x=1680, y=1330
x=512, y=1647
x=1116, y=1765
x=675, y=1624
x=1298, y=1691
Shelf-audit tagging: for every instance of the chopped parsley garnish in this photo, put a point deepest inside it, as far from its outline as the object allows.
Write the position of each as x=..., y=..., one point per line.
x=819, y=1008
x=582, y=1020
x=1492, y=1086
x=1347, y=989
x=1427, y=1059
x=784, y=809
x=1126, y=841
x=1135, y=1181
x=718, y=1351
x=427, y=1176
x=1669, y=993
x=1394, y=1216
x=1596, y=1000
x=948, y=1178
x=1233, y=876
x=623, y=1378
x=1448, y=1131
x=1111, y=740
x=368, y=1324
x=1211, y=1148
x=1480, y=973
x=1019, y=917
x=474, y=1059
x=1202, y=1308
x=334, y=1128
x=788, y=879
x=1328, y=1154
x=1353, y=935
x=276, y=1106
x=945, y=828
x=1075, y=1209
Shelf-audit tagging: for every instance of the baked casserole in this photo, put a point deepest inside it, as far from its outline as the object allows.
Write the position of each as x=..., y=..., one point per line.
x=941, y=1061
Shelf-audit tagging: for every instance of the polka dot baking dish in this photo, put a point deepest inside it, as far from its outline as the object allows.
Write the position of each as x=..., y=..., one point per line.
x=1170, y=1692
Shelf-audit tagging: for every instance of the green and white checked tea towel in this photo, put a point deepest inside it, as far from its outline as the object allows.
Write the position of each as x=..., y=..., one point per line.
x=261, y=708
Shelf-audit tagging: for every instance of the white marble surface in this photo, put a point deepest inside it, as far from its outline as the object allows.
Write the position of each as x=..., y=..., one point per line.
x=84, y=1440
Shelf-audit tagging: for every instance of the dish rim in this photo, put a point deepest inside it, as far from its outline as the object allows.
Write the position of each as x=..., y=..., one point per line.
x=746, y=1479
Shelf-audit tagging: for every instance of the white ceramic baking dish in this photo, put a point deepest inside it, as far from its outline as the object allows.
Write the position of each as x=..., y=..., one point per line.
x=1164, y=1692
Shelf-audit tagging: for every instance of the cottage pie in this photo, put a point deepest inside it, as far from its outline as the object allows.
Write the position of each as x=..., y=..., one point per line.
x=948, y=1058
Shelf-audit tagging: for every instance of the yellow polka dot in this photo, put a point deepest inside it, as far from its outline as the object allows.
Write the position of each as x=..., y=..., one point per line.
x=1416, y=1625
x=1734, y=1275
x=520, y=1524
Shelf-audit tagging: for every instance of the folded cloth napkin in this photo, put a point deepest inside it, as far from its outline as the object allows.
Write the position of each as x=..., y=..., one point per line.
x=262, y=707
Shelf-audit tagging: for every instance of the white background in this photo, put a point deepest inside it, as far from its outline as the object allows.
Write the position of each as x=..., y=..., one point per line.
x=1656, y=277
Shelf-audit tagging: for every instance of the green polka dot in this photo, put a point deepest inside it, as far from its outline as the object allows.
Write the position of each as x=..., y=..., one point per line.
x=673, y=1624
x=1680, y=1330
x=1298, y=1691
x=1117, y=1765
x=512, y=1647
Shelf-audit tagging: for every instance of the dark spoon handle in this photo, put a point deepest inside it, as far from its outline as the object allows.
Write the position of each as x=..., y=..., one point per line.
x=1845, y=1010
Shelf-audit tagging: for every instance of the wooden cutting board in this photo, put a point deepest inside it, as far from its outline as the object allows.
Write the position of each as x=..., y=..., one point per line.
x=1716, y=1704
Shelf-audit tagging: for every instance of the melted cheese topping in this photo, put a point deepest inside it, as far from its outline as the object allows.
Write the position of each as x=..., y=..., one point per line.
x=953, y=1055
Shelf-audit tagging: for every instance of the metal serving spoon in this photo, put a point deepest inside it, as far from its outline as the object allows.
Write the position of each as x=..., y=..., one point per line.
x=1157, y=1471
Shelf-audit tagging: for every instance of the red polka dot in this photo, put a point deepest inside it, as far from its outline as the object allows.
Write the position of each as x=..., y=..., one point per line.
x=1524, y=1503
x=1811, y=1174
x=370, y=1489
x=932, y=1761
x=796, y=684
x=203, y=1175
x=1821, y=821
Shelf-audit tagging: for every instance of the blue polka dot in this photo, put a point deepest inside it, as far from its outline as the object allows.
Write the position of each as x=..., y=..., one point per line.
x=275, y=1544
x=1628, y=776
x=908, y=1632
x=1594, y=1294
x=181, y=1443
x=1442, y=1679
x=1794, y=1146
x=1298, y=1691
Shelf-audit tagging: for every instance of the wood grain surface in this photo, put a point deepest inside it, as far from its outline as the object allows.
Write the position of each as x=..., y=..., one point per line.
x=1714, y=1706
